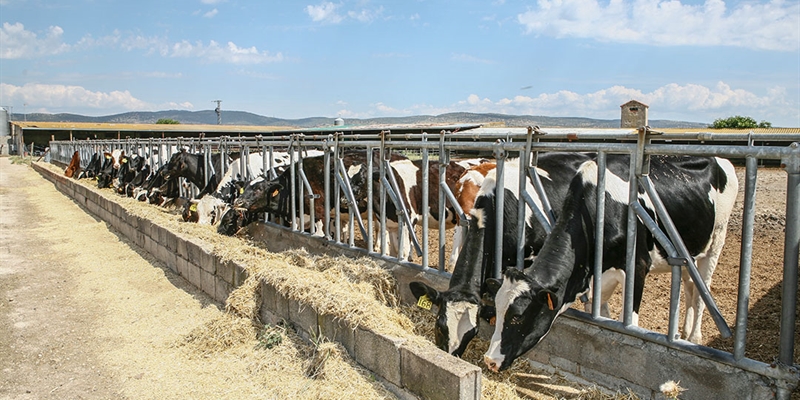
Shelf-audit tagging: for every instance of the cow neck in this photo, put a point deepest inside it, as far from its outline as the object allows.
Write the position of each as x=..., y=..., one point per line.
x=467, y=278
x=565, y=263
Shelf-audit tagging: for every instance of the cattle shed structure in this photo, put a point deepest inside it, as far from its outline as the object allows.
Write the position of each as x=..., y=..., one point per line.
x=608, y=348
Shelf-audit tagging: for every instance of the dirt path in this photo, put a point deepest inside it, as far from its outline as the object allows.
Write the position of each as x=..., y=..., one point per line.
x=86, y=315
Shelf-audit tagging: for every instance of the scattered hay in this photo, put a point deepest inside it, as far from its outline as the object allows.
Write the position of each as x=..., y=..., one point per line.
x=295, y=368
x=245, y=301
x=354, y=291
x=323, y=352
x=219, y=335
x=361, y=271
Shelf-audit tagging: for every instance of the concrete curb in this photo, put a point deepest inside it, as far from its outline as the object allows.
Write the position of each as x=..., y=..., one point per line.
x=427, y=372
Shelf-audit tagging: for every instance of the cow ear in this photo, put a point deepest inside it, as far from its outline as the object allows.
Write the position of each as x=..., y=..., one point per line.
x=549, y=299
x=194, y=201
x=420, y=289
x=493, y=285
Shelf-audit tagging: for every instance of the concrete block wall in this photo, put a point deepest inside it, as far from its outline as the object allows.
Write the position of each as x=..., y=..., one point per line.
x=408, y=370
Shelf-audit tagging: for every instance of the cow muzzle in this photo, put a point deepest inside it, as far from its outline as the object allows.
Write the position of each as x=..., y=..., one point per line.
x=491, y=364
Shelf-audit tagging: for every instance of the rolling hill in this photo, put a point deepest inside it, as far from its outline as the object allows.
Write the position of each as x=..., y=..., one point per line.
x=247, y=118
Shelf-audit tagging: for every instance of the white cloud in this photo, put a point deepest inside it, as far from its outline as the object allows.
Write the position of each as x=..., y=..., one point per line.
x=768, y=25
x=21, y=43
x=325, y=12
x=211, y=1
x=230, y=53
x=211, y=13
x=58, y=97
x=331, y=13
x=689, y=102
x=365, y=15
x=65, y=98
x=470, y=59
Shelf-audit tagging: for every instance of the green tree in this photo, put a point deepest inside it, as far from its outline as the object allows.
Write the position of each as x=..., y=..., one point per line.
x=167, y=121
x=739, y=122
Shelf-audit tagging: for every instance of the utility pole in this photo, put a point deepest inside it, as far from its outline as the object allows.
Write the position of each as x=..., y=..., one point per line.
x=218, y=110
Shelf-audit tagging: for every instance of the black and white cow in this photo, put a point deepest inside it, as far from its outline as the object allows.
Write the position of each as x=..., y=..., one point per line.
x=110, y=168
x=93, y=168
x=698, y=192
x=130, y=166
x=274, y=196
x=460, y=305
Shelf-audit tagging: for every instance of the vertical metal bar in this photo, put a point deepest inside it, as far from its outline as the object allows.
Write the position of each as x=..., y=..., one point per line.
x=599, y=232
x=444, y=160
x=500, y=155
x=791, y=252
x=337, y=217
x=523, y=179
x=630, y=253
x=293, y=179
x=382, y=192
x=745, y=257
x=425, y=201
x=300, y=192
x=370, y=228
x=327, y=184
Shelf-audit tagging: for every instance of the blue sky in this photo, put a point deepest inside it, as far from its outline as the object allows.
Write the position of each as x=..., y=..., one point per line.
x=688, y=60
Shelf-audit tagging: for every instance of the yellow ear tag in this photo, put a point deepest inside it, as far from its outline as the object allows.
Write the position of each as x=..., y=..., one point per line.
x=549, y=302
x=193, y=207
x=124, y=160
x=424, y=302
x=241, y=190
x=108, y=157
x=275, y=193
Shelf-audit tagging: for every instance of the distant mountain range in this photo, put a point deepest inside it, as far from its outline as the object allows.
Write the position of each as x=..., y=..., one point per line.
x=209, y=117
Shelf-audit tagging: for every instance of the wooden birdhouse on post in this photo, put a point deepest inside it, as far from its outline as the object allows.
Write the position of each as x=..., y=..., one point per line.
x=634, y=115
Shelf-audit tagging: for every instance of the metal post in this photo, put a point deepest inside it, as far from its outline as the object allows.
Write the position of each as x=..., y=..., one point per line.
x=630, y=252
x=599, y=232
x=499, y=195
x=370, y=228
x=791, y=252
x=746, y=256
x=327, y=183
x=444, y=160
x=382, y=192
x=425, y=201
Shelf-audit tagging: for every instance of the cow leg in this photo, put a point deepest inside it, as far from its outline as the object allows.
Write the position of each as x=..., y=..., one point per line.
x=610, y=280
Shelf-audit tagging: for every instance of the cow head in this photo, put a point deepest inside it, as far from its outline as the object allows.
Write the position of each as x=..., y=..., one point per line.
x=116, y=157
x=180, y=163
x=189, y=213
x=261, y=195
x=525, y=312
x=456, y=319
x=459, y=306
x=232, y=220
x=139, y=193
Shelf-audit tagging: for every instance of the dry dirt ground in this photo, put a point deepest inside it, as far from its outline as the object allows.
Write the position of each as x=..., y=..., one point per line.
x=85, y=314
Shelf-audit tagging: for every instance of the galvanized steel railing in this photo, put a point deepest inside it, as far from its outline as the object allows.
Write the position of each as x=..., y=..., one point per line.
x=526, y=144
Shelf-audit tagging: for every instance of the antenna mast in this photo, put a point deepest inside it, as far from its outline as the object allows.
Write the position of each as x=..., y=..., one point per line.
x=218, y=110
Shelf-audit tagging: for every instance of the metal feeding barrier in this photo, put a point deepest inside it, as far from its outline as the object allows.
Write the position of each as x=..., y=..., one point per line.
x=526, y=144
